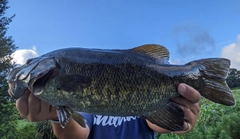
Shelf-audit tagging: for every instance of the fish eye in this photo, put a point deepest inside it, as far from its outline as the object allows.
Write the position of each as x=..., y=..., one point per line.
x=29, y=60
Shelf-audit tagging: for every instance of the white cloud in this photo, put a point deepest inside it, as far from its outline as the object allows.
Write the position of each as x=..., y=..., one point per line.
x=232, y=52
x=22, y=55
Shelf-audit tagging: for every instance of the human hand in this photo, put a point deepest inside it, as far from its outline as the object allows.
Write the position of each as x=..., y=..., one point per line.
x=188, y=101
x=34, y=109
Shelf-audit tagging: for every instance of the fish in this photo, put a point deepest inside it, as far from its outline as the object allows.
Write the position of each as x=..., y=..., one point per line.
x=119, y=82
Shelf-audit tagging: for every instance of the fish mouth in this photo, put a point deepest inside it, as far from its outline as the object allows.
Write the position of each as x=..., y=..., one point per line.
x=34, y=76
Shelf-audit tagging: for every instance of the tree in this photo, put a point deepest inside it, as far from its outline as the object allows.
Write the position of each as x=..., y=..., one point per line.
x=7, y=47
x=233, y=78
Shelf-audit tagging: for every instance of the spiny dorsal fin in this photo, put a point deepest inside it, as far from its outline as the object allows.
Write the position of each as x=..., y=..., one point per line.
x=153, y=50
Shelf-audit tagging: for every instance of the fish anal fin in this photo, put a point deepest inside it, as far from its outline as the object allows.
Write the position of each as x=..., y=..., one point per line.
x=170, y=117
x=79, y=119
x=156, y=51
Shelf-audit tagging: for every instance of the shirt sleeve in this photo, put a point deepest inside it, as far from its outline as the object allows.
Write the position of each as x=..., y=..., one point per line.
x=89, y=119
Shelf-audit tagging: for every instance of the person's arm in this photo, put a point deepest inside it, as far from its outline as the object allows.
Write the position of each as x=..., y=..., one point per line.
x=188, y=101
x=72, y=131
x=33, y=109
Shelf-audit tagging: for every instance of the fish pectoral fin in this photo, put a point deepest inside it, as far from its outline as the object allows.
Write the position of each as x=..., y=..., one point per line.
x=79, y=119
x=170, y=117
x=64, y=115
x=73, y=82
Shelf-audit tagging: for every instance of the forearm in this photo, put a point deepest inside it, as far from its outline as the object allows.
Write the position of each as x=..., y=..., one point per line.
x=72, y=130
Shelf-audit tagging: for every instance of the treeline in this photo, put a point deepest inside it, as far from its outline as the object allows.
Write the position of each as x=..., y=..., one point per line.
x=233, y=79
x=8, y=114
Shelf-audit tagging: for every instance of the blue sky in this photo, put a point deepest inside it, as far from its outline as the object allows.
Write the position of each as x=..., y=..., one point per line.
x=190, y=29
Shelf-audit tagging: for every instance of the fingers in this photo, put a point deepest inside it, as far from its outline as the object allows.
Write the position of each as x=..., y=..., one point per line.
x=33, y=109
x=187, y=105
x=188, y=101
x=189, y=93
x=189, y=98
x=49, y=110
x=22, y=105
x=34, y=105
x=190, y=117
x=187, y=128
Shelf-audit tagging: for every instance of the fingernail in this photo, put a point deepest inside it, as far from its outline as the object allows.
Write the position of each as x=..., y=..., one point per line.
x=182, y=88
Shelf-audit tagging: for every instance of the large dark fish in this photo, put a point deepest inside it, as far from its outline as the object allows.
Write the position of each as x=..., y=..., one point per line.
x=134, y=82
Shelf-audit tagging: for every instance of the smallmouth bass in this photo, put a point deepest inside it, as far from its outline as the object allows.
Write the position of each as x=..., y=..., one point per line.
x=133, y=82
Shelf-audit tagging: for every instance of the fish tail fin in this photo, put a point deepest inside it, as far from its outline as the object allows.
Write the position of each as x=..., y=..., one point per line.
x=214, y=85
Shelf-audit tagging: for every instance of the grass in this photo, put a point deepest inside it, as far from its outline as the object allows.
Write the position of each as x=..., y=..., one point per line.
x=236, y=92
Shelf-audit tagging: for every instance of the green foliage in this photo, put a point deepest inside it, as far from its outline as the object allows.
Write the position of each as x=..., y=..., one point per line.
x=233, y=79
x=10, y=125
x=30, y=130
x=8, y=112
x=44, y=130
x=25, y=129
x=215, y=121
x=228, y=126
x=8, y=115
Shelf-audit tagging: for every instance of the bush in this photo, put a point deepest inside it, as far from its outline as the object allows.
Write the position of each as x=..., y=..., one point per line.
x=31, y=130
x=25, y=130
x=44, y=130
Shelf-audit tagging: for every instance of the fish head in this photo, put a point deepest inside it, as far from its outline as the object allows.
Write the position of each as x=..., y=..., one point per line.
x=33, y=75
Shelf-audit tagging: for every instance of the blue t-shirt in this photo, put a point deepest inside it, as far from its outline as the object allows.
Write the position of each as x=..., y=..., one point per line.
x=116, y=127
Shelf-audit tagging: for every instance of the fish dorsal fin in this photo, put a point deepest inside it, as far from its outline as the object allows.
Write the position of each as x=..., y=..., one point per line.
x=153, y=50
